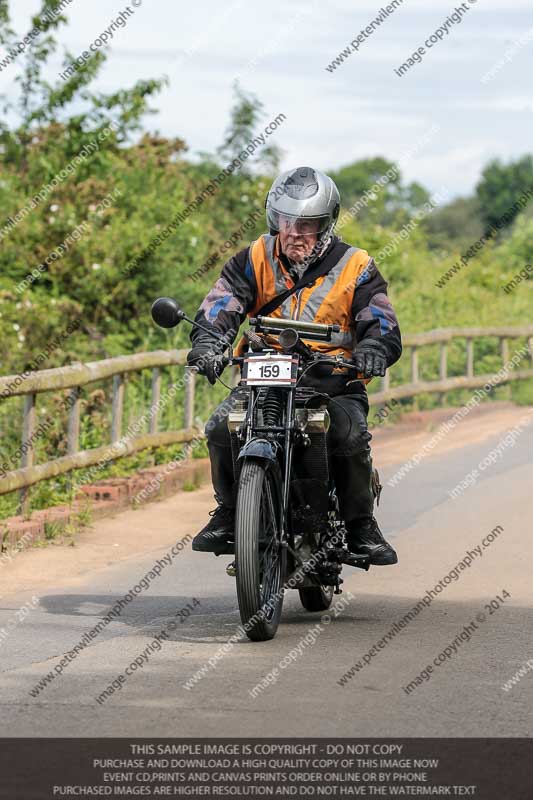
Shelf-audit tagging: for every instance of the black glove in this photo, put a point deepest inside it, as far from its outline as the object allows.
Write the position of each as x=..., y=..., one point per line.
x=370, y=358
x=206, y=356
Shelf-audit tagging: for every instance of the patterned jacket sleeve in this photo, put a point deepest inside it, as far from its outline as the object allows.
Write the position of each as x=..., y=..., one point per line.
x=373, y=313
x=225, y=306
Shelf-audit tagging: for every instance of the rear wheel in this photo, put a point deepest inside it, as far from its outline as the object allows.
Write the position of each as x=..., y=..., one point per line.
x=316, y=598
x=259, y=557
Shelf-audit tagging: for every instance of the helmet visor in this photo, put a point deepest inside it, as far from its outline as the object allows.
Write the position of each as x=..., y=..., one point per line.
x=297, y=225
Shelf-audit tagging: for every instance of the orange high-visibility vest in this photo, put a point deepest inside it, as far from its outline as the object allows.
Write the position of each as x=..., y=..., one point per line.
x=328, y=300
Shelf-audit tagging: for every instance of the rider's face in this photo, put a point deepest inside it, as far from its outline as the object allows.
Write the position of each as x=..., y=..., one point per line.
x=297, y=237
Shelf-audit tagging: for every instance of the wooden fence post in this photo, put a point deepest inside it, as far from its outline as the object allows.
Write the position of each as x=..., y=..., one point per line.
x=505, y=350
x=118, y=408
x=414, y=364
x=188, y=408
x=156, y=396
x=385, y=386
x=414, y=373
x=28, y=451
x=443, y=370
x=443, y=363
x=73, y=436
x=470, y=358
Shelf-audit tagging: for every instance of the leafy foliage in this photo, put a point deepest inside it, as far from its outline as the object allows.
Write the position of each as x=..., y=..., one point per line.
x=501, y=185
x=390, y=201
x=245, y=116
x=455, y=225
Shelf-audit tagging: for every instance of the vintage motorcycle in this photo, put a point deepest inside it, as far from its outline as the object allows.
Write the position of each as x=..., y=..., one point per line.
x=288, y=532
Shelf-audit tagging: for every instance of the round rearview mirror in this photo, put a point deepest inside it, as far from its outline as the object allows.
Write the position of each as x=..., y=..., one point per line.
x=166, y=312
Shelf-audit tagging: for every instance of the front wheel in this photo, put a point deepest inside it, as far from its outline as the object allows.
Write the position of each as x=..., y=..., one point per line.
x=259, y=556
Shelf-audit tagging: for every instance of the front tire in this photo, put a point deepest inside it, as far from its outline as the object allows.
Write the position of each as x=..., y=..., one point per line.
x=259, y=556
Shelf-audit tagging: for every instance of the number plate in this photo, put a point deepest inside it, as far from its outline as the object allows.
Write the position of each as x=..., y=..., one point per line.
x=270, y=369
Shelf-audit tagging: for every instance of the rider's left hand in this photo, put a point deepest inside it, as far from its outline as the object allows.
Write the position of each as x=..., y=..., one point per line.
x=370, y=358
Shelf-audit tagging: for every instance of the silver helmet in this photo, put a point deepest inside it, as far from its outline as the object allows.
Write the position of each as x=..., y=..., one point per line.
x=301, y=196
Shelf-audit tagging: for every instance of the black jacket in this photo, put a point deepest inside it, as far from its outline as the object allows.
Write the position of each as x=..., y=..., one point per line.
x=226, y=305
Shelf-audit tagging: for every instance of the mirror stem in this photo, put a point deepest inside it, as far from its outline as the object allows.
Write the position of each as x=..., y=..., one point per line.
x=216, y=334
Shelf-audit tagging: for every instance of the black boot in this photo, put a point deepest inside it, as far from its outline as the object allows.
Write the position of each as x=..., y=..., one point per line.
x=218, y=535
x=355, y=491
x=352, y=475
x=364, y=537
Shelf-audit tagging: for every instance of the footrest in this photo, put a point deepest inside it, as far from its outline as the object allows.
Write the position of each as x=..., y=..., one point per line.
x=354, y=560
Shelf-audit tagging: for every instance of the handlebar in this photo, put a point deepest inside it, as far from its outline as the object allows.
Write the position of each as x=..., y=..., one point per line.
x=311, y=330
x=289, y=340
x=167, y=313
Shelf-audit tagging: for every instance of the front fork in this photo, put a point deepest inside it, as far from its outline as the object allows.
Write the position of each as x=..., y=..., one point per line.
x=264, y=447
x=289, y=444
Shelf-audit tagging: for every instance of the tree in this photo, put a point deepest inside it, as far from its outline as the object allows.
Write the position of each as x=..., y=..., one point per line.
x=456, y=225
x=389, y=197
x=245, y=117
x=119, y=198
x=501, y=186
x=47, y=190
x=40, y=103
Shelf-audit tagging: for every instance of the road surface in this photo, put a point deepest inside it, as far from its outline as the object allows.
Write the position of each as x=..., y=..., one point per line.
x=75, y=587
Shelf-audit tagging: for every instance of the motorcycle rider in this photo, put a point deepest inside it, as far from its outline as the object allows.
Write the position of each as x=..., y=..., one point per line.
x=344, y=287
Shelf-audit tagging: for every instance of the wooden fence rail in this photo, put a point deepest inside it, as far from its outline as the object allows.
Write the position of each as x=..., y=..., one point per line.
x=135, y=439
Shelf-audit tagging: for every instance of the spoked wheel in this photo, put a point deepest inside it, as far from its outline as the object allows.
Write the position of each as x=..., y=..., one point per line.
x=259, y=557
x=316, y=598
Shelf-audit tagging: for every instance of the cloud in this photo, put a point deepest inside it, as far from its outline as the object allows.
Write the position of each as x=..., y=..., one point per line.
x=361, y=110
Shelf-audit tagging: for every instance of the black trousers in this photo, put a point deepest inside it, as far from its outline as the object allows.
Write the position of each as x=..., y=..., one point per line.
x=348, y=441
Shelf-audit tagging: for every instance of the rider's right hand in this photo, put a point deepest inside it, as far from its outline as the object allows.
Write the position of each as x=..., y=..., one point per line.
x=207, y=358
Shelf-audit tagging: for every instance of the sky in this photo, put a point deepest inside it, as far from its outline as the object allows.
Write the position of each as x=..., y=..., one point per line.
x=439, y=120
